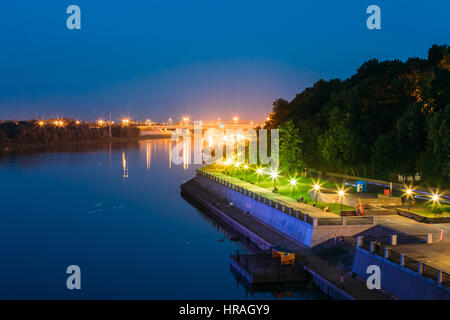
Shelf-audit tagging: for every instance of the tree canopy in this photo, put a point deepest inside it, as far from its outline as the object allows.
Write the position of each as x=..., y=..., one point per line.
x=390, y=117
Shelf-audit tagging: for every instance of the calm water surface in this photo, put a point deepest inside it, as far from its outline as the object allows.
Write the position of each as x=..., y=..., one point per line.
x=115, y=210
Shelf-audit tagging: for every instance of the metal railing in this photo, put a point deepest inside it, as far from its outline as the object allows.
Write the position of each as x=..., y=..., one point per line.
x=329, y=221
x=359, y=220
x=422, y=269
x=286, y=209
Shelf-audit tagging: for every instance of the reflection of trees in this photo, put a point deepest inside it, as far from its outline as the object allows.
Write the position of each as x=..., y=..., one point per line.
x=73, y=147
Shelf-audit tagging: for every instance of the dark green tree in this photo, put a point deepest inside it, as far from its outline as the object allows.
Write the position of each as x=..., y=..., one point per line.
x=290, y=147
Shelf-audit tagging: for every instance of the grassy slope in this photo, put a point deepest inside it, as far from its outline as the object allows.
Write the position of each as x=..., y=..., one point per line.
x=301, y=188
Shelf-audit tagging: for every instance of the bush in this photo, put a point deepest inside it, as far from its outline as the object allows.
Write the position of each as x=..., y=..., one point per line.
x=438, y=208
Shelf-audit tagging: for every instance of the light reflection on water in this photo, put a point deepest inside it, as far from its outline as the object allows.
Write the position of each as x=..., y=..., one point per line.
x=114, y=210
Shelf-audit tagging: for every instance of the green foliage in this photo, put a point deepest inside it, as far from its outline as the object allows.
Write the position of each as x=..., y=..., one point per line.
x=438, y=208
x=434, y=162
x=290, y=146
x=390, y=117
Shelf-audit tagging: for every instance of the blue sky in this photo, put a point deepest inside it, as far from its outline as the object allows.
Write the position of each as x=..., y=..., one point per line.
x=160, y=59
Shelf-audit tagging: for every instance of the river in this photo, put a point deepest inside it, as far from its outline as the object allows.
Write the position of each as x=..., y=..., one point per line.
x=114, y=210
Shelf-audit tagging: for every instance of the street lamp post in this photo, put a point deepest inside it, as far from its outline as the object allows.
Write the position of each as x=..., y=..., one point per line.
x=408, y=195
x=316, y=189
x=274, y=176
x=435, y=199
x=259, y=173
x=341, y=195
x=293, y=182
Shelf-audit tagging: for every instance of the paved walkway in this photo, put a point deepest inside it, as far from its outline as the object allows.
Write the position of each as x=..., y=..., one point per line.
x=352, y=286
x=305, y=208
x=413, y=227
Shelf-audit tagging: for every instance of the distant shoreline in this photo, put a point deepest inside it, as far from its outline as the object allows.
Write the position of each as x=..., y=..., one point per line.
x=25, y=147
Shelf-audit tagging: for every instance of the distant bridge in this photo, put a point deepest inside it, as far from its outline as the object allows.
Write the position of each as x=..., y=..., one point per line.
x=173, y=127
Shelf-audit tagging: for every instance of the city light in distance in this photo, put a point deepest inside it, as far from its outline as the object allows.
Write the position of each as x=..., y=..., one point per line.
x=58, y=123
x=125, y=122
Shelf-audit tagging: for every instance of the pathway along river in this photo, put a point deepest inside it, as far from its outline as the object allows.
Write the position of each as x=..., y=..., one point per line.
x=115, y=210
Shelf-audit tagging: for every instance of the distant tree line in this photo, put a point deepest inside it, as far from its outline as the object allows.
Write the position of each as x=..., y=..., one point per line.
x=391, y=117
x=31, y=132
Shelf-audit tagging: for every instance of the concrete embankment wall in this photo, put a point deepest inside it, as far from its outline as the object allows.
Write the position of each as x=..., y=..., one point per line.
x=291, y=226
x=329, y=288
x=400, y=281
x=251, y=236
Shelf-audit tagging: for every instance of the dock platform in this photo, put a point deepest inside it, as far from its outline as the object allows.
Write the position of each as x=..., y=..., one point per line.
x=259, y=269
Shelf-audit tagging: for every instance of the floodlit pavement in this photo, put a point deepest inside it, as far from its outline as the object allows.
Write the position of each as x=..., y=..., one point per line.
x=435, y=255
x=413, y=227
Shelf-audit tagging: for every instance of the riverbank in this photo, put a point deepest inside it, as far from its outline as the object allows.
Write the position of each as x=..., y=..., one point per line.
x=324, y=274
x=85, y=142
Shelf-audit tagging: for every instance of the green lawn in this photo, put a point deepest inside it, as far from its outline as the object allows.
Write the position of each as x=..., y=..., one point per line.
x=422, y=209
x=302, y=187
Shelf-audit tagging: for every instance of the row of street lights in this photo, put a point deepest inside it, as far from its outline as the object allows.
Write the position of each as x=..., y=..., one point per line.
x=61, y=123
x=274, y=176
x=435, y=197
